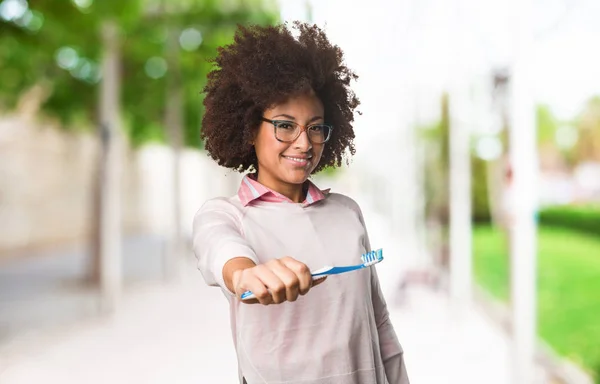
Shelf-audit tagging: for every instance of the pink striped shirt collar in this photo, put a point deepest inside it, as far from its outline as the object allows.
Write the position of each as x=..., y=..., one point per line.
x=250, y=190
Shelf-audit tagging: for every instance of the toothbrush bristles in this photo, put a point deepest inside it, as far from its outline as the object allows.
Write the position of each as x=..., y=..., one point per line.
x=372, y=257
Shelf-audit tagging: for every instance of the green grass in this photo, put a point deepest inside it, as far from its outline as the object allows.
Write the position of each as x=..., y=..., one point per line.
x=568, y=287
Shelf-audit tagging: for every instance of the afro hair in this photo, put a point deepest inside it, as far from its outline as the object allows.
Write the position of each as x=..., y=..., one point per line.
x=264, y=66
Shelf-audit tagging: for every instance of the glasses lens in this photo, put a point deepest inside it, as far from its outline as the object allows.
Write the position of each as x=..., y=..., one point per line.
x=289, y=131
x=286, y=130
x=319, y=133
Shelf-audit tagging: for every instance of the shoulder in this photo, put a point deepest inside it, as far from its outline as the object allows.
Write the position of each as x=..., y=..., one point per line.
x=343, y=201
x=222, y=203
x=221, y=206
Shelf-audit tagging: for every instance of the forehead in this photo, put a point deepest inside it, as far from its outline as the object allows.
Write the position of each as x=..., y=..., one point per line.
x=303, y=105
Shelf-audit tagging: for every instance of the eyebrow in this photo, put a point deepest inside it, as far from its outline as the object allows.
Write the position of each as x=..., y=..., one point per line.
x=315, y=118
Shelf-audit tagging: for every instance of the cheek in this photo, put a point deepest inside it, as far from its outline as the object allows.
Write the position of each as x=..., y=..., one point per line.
x=268, y=148
x=318, y=152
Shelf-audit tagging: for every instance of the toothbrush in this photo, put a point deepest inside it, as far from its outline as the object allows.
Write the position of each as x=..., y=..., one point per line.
x=368, y=259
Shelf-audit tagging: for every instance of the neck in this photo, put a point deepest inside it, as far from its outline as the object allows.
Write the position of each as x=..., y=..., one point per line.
x=294, y=192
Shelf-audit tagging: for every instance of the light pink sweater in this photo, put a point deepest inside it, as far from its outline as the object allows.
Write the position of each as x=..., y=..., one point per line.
x=340, y=332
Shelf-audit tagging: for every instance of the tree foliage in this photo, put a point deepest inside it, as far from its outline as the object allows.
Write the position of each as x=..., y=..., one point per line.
x=56, y=44
x=588, y=125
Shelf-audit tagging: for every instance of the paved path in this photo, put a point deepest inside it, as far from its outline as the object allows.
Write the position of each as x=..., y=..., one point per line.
x=179, y=332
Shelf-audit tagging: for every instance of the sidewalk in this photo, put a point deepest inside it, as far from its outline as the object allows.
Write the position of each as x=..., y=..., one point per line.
x=47, y=289
x=179, y=333
x=175, y=333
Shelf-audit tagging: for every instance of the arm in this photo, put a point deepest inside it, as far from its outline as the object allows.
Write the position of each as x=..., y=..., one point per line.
x=227, y=260
x=391, y=351
x=219, y=244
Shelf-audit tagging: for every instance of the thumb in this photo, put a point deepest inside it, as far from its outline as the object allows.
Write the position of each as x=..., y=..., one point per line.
x=316, y=282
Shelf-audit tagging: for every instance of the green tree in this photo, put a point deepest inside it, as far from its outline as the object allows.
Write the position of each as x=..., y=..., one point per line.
x=162, y=50
x=588, y=126
x=58, y=45
x=547, y=124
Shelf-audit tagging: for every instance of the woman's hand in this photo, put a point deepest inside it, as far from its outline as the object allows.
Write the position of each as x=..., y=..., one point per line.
x=273, y=282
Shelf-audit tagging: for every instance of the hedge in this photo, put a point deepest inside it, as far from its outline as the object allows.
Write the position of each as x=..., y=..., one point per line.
x=583, y=218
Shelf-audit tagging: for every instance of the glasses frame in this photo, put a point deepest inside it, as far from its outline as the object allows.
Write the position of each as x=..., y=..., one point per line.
x=303, y=128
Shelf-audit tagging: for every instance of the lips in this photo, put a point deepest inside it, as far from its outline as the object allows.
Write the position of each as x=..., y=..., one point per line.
x=299, y=160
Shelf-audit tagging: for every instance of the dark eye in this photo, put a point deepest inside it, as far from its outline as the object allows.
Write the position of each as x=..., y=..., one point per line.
x=285, y=125
x=317, y=128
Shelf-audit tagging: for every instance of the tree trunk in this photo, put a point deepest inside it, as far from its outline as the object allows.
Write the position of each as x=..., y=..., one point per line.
x=174, y=124
x=106, y=239
x=523, y=195
x=460, y=230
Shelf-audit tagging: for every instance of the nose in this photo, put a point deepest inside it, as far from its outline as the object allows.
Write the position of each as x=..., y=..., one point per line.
x=302, y=143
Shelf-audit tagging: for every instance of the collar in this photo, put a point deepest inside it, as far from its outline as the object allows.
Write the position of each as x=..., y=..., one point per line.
x=251, y=190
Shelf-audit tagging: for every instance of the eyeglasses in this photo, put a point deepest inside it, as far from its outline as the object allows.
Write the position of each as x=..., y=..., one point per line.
x=288, y=131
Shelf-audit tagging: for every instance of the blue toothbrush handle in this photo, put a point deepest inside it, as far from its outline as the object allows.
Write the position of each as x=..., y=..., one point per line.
x=338, y=270
x=330, y=271
x=247, y=295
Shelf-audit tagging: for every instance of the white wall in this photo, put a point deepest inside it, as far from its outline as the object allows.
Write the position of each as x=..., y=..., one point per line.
x=46, y=180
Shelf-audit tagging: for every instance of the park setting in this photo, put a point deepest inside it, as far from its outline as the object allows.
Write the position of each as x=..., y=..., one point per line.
x=477, y=170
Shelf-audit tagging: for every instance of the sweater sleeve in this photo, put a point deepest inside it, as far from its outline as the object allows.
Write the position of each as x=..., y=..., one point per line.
x=217, y=238
x=389, y=346
x=391, y=351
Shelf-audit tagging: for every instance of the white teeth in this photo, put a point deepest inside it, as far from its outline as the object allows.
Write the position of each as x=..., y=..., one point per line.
x=296, y=159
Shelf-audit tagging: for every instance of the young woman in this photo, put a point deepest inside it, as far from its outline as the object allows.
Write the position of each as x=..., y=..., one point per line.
x=279, y=105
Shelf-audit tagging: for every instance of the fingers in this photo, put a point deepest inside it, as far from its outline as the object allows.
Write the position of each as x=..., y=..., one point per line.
x=291, y=283
x=301, y=272
x=250, y=281
x=276, y=281
x=270, y=275
x=316, y=282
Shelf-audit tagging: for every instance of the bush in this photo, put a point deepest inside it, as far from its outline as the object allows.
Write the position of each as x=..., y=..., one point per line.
x=480, y=203
x=583, y=218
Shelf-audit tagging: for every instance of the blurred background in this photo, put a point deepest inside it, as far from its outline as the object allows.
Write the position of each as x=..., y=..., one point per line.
x=477, y=170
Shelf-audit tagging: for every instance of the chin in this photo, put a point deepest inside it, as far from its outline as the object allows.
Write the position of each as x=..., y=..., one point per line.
x=297, y=177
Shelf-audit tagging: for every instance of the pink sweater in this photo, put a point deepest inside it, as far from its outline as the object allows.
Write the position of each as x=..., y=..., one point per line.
x=340, y=332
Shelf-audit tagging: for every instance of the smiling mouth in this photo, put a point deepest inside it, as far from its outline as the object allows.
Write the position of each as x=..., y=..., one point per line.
x=298, y=160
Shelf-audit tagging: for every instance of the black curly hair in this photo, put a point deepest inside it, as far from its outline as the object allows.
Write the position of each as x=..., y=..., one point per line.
x=264, y=66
